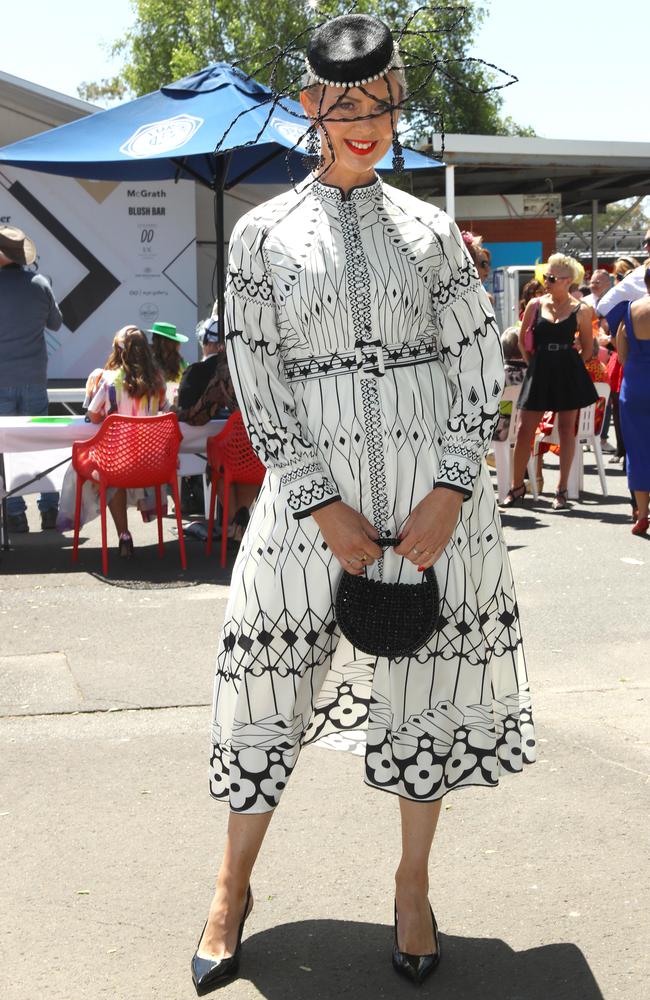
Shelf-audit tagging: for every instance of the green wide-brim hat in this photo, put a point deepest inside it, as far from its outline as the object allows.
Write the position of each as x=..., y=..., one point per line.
x=168, y=330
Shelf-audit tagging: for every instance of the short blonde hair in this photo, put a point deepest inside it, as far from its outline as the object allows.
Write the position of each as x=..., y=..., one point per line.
x=568, y=263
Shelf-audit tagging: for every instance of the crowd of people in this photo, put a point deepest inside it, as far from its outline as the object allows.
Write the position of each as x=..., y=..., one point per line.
x=144, y=374
x=140, y=378
x=558, y=352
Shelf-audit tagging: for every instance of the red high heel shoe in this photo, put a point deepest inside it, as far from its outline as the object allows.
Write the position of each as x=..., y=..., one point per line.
x=641, y=526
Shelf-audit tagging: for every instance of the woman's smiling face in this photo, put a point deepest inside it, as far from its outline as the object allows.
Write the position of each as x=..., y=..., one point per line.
x=356, y=124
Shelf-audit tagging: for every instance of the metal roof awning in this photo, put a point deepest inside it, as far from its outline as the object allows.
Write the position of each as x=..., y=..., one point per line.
x=580, y=171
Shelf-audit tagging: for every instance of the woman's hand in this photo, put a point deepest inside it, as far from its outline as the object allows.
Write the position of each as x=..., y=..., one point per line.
x=430, y=526
x=348, y=535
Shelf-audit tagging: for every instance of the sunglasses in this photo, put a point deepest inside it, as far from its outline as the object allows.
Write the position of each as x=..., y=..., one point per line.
x=552, y=278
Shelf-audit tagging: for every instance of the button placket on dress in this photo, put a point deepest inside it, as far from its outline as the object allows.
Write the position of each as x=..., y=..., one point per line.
x=370, y=359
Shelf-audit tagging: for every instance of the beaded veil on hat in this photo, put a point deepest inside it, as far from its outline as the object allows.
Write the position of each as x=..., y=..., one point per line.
x=353, y=50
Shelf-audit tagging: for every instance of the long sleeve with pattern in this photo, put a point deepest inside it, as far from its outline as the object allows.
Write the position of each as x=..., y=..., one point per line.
x=255, y=361
x=470, y=351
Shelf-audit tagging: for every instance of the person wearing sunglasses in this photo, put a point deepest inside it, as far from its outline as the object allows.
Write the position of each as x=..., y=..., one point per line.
x=556, y=378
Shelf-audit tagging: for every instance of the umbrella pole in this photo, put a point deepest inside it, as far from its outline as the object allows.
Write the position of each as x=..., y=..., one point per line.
x=221, y=171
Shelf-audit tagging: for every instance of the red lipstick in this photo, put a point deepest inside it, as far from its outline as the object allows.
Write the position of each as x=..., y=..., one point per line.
x=362, y=147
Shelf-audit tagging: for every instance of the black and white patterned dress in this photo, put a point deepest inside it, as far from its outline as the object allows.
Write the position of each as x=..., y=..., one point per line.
x=367, y=363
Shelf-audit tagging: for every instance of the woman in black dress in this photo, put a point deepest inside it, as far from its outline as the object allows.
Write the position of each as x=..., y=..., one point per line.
x=556, y=378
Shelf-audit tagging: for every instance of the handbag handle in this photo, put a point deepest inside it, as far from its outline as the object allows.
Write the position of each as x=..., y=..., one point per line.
x=387, y=543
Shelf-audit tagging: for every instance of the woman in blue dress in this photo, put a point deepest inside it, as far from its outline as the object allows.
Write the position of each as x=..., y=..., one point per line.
x=633, y=346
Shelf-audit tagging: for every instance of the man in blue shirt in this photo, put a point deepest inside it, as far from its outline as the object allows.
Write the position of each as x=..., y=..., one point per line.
x=27, y=307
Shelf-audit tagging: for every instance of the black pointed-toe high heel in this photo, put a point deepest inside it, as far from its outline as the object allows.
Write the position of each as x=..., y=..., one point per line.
x=416, y=967
x=208, y=973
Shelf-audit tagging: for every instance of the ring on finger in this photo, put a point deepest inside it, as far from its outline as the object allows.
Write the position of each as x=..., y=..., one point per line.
x=415, y=551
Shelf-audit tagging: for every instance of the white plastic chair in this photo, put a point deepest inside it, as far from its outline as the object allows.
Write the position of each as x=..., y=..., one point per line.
x=585, y=435
x=503, y=449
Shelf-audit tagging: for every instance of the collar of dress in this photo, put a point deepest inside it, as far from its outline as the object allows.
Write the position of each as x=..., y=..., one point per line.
x=365, y=192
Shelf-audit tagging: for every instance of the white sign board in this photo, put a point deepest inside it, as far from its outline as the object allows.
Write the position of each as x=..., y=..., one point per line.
x=116, y=253
x=543, y=205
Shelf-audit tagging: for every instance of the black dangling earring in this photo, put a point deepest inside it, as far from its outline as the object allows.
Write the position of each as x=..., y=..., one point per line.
x=398, y=159
x=312, y=159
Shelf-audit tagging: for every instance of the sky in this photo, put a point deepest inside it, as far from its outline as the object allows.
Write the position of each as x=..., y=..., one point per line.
x=580, y=66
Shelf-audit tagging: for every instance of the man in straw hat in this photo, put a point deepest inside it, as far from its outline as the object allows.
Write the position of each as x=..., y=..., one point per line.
x=27, y=307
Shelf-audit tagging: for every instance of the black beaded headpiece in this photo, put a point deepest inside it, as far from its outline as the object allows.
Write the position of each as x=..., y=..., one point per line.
x=350, y=51
x=354, y=50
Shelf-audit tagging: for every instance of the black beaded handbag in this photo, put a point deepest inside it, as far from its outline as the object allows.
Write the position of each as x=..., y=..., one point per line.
x=387, y=619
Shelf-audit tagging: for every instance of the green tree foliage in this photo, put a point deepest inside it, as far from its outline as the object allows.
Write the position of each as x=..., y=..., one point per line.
x=172, y=38
x=103, y=91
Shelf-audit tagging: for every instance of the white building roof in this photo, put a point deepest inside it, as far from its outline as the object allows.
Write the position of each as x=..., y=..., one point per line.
x=27, y=108
x=581, y=171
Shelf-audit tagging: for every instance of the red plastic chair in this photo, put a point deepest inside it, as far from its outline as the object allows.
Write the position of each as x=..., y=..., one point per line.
x=127, y=453
x=230, y=455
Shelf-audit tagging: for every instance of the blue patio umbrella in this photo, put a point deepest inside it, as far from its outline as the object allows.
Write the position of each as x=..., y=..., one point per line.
x=217, y=126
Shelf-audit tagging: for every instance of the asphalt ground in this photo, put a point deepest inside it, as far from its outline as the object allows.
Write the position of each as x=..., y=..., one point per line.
x=110, y=840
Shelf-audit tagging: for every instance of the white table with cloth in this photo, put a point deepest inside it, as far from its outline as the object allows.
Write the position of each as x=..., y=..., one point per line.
x=36, y=451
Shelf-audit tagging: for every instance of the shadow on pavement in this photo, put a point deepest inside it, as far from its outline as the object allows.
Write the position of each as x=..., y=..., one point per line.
x=591, y=506
x=322, y=959
x=521, y=522
x=42, y=553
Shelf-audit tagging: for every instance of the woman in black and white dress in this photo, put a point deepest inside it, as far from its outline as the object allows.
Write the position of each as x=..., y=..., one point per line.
x=367, y=363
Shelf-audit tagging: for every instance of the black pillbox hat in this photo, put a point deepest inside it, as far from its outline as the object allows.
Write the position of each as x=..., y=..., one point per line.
x=350, y=51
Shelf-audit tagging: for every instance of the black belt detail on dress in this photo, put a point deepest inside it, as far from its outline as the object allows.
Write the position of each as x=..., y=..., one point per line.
x=372, y=359
x=554, y=347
